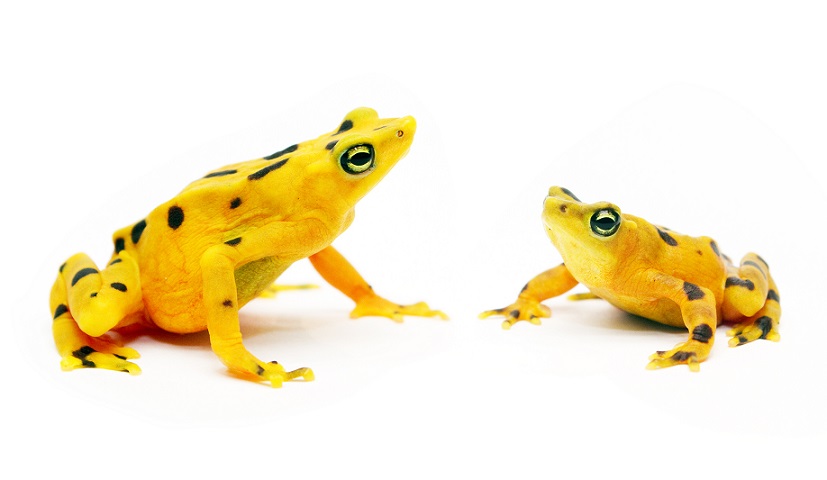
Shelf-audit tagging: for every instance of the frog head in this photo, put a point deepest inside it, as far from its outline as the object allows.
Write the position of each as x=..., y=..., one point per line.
x=593, y=235
x=346, y=163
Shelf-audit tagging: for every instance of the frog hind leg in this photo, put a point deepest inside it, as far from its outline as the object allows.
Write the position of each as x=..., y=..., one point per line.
x=751, y=302
x=86, y=303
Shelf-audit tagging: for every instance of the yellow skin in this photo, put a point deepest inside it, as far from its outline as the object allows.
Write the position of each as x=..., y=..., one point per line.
x=652, y=272
x=196, y=259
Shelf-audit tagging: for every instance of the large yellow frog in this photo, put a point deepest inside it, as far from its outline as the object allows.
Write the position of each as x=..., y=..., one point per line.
x=198, y=258
x=652, y=272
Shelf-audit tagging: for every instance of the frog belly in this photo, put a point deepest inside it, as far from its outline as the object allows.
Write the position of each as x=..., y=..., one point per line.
x=661, y=310
x=177, y=306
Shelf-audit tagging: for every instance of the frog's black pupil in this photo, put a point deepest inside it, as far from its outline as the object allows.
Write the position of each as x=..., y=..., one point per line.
x=360, y=159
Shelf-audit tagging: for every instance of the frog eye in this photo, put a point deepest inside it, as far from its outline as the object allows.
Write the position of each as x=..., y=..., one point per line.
x=357, y=159
x=605, y=222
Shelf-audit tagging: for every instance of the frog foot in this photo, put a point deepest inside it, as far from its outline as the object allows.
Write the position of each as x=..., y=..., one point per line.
x=521, y=310
x=690, y=353
x=374, y=305
x=763, y=327
x=274, y=373
x=104, y=353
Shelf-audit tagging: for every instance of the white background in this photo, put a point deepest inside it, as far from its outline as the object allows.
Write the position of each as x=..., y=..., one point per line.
x=708, y=117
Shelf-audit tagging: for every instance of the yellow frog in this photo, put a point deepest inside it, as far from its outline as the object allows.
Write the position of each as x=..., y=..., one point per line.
x=652, y=272
x=196, y=259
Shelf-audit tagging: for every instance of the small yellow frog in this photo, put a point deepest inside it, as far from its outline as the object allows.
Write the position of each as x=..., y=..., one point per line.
x=196, y=259
x=652, y=272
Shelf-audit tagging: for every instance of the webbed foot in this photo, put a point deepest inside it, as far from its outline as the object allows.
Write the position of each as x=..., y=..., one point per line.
x=101, y=353
x=274, y=373
x=271, y=372
x=374, y=305
x=763, y=327
x=521, y=310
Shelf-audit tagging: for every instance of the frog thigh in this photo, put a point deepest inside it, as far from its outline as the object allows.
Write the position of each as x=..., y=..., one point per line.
x=87, y=303
x=746, y=287
x=752, y=286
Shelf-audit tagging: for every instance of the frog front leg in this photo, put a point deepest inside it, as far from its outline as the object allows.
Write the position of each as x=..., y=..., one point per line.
x=551, y=283
x=338, y=272
x=699, y=312
x=219, y=264
x=86, y=303
x=220, y=299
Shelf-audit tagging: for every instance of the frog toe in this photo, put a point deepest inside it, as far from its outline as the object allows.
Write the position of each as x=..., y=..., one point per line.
x=689, y=353
x=380, y=307
x=531, y=312
x=274, y=373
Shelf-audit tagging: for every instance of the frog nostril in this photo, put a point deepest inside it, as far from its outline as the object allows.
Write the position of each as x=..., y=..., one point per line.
x=563, y=208
x=399, y=133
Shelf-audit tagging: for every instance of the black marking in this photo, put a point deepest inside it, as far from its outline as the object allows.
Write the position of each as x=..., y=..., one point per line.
x=233, y=242
x=113, y=262
x=175, y=217
x=119, y=245
x=773, y=295
x=514, y=314
x=330, y=145
x=119, y=356
x=682, y=356
x=62, y=267
x=693, y=292
x=715, y=248
x=138, y=230
x=568, y=192
x=291, y=148
x=235, y=203
x=725, y=257
x=60, y=310
x=667, y=238
x=228, y=303
x=346, y=125
x=220, y=174
x=765, y=324
x=753, y=264
x=264, y=171
x=82, y=353
x=759, y=258
x=702, y=333
x=525, y=287
x=742, y=340
x=93, y=294
x=259, y=370
x=735, y=281
x=380, y=128
x=118, y=286
x=82, y=273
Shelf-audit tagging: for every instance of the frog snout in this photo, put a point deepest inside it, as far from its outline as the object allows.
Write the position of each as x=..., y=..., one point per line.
x=406, y=127
x=553, y=203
